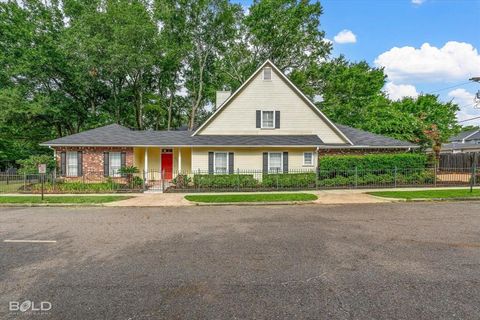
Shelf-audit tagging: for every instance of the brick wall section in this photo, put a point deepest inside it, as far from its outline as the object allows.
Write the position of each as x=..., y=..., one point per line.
x=93, y=159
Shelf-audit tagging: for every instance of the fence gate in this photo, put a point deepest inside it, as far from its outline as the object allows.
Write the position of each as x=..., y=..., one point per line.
x=155, y=181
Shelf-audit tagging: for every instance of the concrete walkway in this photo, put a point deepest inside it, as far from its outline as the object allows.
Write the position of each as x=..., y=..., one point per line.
x=177, y=199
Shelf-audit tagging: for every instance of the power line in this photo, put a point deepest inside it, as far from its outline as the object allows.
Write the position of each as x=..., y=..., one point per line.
x=469, y=119
x=451, y=87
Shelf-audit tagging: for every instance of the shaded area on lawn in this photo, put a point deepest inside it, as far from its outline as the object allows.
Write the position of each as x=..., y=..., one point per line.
x=429, y=194
x=61, y=199
x=261, y=197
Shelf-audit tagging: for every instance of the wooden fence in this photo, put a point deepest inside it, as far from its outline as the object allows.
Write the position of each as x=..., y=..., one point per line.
x=458, y=160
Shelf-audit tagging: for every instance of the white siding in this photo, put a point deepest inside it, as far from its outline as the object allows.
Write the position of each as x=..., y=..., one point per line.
x=297, y=117
x=252, y=158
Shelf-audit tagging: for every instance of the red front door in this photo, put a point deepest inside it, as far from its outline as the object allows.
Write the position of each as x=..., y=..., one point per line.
x=167, y=165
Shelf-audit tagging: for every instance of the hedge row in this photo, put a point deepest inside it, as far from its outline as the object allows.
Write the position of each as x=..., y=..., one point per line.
x=307, y=180
x=373, y=162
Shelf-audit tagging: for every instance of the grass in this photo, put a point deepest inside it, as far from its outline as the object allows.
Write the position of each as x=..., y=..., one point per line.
x=429, y=194
x=257, y=197
x=61, y=199
x=10, y=187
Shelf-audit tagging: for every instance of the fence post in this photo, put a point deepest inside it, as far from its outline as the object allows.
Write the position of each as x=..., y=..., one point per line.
x=435, y=173
x=356, y=177
x=277, y=178
x=395, y=177
x=317, y=176
x=24, y=181
x=474, y=169
x=143, y=181
x=163, y=180
x=238, y=179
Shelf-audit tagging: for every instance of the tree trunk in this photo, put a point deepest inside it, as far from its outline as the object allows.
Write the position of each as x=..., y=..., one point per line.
x=170, y=106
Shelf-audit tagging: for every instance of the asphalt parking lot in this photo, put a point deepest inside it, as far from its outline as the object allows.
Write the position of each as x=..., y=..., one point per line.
x=367, y=261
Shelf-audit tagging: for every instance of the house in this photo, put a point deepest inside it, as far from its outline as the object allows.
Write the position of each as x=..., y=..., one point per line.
x=267, y=125
x=464, y=142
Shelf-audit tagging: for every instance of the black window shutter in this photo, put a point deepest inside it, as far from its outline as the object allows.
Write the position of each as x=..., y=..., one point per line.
x=265, y=162
x=63, y=163
x=259, y=119
x=106, y=164
x=285, y=162
x=277, y=119
x=210, y=163
x=230, y=163
x=80, y=163
x=123, y=161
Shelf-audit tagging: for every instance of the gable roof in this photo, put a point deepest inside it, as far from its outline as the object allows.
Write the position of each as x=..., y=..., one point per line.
x=466, y=135
x=290, y=84
x=117, y=135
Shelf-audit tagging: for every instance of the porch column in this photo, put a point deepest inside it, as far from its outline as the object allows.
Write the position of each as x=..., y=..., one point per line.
x=145, y=159
x=179, y=160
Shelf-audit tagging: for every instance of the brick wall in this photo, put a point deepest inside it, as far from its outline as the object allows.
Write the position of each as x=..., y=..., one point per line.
x=92, y=166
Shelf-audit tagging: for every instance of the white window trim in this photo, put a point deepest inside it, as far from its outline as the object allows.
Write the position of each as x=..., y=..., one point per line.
x=308, y=164
x=215, y=164
x=281, y=162
x=263, y=74
x=68, y=173
x=261, y=119
x=110, y=172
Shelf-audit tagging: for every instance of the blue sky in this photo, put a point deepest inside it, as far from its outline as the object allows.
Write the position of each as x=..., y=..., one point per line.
x=424, y=45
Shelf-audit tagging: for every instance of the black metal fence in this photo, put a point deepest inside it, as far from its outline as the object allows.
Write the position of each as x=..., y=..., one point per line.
x=241, y=180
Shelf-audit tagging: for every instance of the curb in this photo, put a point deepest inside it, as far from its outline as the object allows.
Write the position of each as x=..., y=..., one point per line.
x=28, y=205
x=426, y=199
x=259, y=203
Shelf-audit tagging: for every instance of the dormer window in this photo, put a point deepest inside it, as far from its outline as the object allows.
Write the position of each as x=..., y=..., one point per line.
x=267, y=73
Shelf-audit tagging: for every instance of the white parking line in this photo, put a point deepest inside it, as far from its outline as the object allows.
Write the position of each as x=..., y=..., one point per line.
x=31, y=241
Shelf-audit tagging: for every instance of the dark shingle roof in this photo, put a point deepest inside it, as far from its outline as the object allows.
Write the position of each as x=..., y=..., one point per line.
x=364, y=138
x=463, y=135
x=116, y=135
x=459, y=146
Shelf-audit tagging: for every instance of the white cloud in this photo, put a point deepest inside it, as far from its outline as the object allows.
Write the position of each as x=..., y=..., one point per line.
x=398, y=91
x=465, y=100
x=418, y=2
x=462, y=97
x=452, y=62
x=345, y=36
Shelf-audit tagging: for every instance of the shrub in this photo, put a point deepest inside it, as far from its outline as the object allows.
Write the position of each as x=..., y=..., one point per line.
x=224, y=181
x=30, y=165
x=78, y=186
x=289, y=180
x=181, y=181
x=372, y=162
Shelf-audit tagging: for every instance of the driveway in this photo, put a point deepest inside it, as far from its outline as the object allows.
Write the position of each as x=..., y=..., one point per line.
x=362, y=261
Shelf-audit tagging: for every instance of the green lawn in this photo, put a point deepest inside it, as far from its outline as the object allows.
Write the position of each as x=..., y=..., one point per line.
x=61, y=199
x=257, y=197
x=429, y=194
x=10, y=187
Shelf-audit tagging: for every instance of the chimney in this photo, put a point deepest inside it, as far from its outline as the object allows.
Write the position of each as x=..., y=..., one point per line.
x=221, y=97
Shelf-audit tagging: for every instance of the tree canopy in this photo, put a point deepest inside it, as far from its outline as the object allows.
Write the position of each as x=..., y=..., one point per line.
x=68, y=66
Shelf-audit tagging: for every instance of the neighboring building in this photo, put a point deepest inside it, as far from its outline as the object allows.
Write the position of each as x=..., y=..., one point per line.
x=464, y=142
x=266, y=125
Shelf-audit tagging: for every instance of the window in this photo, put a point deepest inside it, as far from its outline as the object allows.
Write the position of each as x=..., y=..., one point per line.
x=274, y=162
x=267, y=73
x=72, y=164
x=115, y=164
x=308, y=158
x=220, y=163
x=268, y=119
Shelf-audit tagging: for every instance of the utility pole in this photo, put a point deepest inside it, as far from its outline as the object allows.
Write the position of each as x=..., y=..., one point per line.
x=477, y=95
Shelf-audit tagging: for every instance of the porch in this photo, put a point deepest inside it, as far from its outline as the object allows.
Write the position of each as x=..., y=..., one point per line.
x=158, y=165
